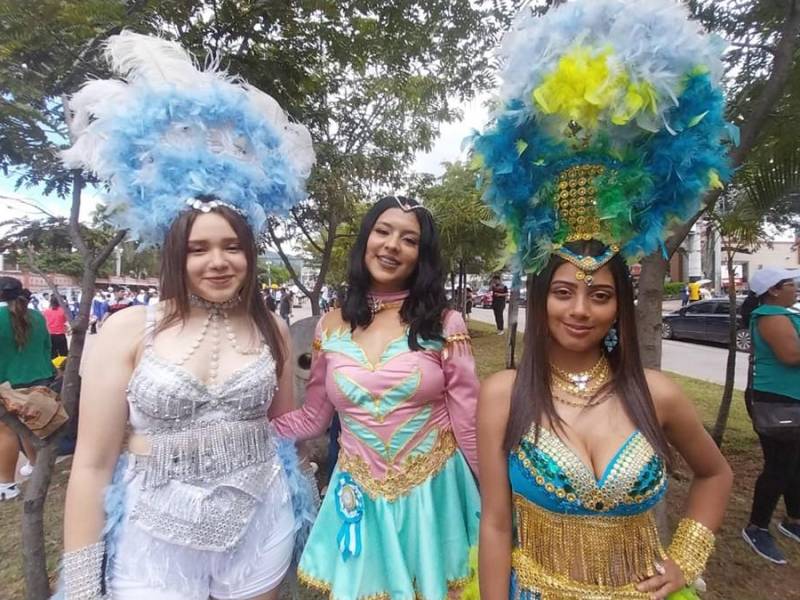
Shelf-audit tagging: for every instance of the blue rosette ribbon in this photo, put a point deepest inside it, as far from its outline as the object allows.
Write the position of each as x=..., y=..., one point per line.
x=350, y=506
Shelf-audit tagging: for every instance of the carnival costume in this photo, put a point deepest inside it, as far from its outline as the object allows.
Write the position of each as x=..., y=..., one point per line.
x=609, y=127
x=215, y=507
x=401, y=512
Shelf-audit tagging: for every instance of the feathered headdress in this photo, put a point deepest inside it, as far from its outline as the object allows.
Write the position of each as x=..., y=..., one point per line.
x=167, y=132
x=609, y=126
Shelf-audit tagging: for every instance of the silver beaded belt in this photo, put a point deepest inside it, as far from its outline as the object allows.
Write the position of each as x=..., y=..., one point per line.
x=206, y=452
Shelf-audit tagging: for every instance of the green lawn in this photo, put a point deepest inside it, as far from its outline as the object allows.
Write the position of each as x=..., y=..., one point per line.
x=734, y=572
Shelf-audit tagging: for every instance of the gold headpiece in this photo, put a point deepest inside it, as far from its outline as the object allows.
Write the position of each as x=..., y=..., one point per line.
x=577, y=208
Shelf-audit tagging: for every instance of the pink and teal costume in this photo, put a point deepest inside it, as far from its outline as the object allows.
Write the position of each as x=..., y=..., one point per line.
x=402, y=507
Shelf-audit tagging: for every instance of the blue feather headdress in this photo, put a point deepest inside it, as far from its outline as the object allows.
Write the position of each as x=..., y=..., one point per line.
x=170, y=132
x=610, y=126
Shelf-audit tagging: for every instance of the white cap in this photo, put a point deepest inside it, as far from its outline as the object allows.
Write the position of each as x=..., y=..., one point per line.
x=763, y=279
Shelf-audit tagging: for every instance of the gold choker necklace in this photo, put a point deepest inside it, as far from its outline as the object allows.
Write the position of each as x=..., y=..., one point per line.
x=376, y=305
x=584, y=384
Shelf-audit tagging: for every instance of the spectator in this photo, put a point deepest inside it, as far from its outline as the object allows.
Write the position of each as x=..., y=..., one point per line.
x=56, y=320
x=694, y=291
x=286, y=306
x=499, y=296
x=99, y=311
x=775, y=332
x=684, y=295
x=120, y=301
x=24, y=362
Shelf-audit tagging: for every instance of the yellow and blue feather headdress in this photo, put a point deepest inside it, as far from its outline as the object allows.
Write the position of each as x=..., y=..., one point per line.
x=610, y=126
x=166, y=132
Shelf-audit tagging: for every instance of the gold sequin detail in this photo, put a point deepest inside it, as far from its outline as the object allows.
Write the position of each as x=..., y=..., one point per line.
x=412, y=472
x=577, y=201
x=691, y=546
x=621, y=478
x=325, y=588
x=599, y=551
x=317, y=345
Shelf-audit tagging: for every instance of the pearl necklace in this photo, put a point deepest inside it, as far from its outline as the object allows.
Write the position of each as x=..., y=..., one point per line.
x=217, y=311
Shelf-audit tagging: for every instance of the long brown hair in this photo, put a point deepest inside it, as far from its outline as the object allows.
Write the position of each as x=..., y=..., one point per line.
x=531, y=397
x=175, y=288
x=20, y=321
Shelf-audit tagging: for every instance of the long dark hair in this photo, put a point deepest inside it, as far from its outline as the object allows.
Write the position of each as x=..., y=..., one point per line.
x=426, y=302
x=531, y=397
x=751, y=302
x=12, y=293
x=174, y=286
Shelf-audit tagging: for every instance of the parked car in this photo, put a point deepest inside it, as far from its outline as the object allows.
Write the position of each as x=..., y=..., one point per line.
x=706, y=320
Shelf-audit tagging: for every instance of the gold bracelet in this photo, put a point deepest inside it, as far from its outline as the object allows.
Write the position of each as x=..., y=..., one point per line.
x=691, y=546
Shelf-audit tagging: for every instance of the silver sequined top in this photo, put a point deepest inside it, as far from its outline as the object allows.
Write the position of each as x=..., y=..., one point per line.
x=212, y=448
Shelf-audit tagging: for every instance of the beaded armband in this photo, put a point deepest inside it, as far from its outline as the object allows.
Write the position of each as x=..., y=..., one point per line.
x=691, y=546
x=83, y=573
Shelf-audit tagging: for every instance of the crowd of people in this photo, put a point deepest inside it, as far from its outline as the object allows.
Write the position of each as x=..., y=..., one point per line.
x=186, y=482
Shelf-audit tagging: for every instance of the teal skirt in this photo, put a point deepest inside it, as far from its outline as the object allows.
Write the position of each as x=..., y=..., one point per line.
x=416, y=546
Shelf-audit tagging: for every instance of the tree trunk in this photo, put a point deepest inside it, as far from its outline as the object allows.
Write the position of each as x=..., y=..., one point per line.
x=512, y=325
x=730, y=368
x=648, y=309
x=37, y=580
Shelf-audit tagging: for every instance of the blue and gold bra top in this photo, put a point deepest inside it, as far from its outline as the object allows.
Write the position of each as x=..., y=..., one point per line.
x=548, y=473
x=577, y=536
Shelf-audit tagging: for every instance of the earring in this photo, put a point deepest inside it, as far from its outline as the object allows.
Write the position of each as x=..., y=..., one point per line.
x=611, y=340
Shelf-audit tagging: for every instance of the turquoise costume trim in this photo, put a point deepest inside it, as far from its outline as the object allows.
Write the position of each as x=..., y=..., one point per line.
x=550, y=475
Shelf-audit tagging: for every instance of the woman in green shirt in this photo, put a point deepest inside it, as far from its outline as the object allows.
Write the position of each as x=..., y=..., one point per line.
x=775, y=331
x=24, y=361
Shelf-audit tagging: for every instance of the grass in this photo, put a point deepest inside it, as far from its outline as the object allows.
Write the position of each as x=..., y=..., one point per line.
x=734, y=572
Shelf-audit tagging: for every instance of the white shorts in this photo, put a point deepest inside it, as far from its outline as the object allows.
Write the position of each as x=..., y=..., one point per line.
x=146, y=568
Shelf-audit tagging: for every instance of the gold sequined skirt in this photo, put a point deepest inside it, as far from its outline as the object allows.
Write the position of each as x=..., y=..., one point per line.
x=572, y=557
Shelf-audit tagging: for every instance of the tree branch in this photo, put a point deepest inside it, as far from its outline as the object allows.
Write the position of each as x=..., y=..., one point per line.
x=108, y=249
x=19, y=428
x=276, y=241
x=302, y=227
x=50, y=283
x=74, y=217
x=770, y=94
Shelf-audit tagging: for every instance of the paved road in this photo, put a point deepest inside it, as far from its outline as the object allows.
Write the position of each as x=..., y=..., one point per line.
x=701, y=361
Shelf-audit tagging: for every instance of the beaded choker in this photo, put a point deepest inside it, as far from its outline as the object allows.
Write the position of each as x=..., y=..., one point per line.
x=199, y=302
x=584, y=384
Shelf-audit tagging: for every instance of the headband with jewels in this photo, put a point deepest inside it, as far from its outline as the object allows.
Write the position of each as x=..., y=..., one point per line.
x=610, y=126
x=167, y=132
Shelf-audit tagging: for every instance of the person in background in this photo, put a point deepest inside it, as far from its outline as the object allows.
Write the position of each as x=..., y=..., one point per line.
x=120, y=302
x=57, y=323
x=286, y=306
x=499, y=296
x=694, y=291
x=24, y=362
x=684, y=295
x=775, y=330
x=99, y=311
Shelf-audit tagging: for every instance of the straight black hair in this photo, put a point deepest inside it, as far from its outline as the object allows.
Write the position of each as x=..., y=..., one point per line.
x=531, y=396
x=426, y=302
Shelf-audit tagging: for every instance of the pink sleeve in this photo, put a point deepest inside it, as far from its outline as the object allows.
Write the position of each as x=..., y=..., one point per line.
x=314, y=417
x=461, y=386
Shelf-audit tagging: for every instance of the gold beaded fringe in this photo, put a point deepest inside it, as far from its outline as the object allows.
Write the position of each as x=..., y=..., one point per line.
x=594, y=551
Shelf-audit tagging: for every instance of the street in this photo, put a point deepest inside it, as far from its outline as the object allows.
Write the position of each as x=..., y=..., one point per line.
x=700, y=361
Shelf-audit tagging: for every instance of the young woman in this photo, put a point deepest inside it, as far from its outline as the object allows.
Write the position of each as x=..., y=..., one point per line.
x=57, y=327
x=574, y=448
x=201, y=499
x=24, y=362
x=775, y=331
x=401, y=510
x=599, y=143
